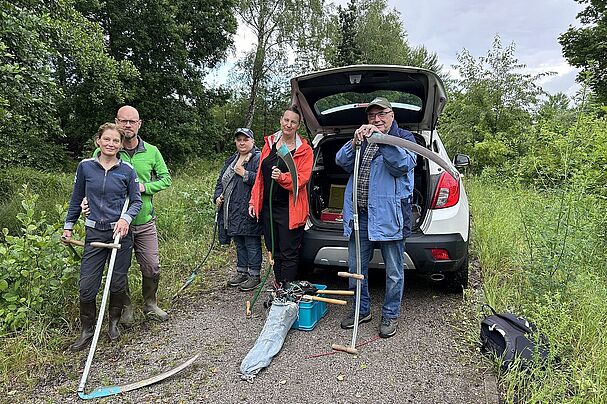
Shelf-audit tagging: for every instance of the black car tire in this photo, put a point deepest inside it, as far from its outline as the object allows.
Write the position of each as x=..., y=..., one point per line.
x=456, y=282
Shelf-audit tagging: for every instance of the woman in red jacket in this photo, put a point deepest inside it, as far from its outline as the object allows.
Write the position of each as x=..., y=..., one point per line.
x=288, y=218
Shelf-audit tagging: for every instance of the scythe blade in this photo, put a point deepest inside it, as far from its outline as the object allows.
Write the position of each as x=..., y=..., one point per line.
x=382, y=138
x=284, y=153
x=113, y=390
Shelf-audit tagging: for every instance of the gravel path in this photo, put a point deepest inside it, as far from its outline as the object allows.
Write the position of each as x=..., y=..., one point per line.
x=427, y=361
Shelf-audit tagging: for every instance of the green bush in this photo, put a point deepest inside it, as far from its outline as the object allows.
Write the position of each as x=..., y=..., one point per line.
x=53, y=189
x=38, y=276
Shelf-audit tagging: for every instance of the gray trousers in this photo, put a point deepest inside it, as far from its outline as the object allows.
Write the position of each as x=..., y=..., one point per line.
x=94, y=259
x=145, y=242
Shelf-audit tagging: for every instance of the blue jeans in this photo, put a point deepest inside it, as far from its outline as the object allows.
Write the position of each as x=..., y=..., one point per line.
x=248, y=254
x=393, y=255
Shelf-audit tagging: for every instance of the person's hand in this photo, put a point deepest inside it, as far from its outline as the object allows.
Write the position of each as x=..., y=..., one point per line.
x=141, y=188
x=239, y=169
x=67, y=235
x=121, y=229
x=84, y=205
x=219, y=200
x=363, y=132
x=252, y=211
x=275, y=172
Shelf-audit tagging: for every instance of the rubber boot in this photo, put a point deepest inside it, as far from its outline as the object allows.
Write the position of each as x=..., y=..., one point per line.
x=150, y=308
x=127, y=318
x=115, y=311
x=88, y=312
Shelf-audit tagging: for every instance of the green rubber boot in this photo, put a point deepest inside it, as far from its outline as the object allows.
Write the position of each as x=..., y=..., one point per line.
x=88, y=312
x=150, y=308
x=115, y=311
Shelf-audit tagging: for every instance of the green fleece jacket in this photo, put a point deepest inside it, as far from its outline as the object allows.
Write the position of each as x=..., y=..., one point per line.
x=153, y=174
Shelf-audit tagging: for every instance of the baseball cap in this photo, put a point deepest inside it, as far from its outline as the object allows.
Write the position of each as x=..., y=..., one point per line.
x=245, y=131
x=379, y=102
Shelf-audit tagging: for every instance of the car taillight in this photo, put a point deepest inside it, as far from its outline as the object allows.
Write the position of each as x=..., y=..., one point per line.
x=440, y=254
x=447, y=192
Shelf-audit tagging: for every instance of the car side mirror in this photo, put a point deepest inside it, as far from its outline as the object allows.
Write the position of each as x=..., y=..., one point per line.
x=461, y=160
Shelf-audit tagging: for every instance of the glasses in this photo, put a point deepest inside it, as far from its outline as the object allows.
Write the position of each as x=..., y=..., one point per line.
x=127, y=121
x=381, y=115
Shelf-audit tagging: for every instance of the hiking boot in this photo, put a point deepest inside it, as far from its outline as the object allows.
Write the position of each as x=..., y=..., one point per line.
x=348, y=322
x=237, y=279
x=387, y=327
x=149, y=287
x=250, y=284
x=88, y=312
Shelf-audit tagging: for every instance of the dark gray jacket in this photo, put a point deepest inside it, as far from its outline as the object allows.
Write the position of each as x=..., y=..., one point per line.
x=239, y=221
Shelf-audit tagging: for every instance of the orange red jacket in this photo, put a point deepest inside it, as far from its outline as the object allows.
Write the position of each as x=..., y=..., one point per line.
x=303, y=158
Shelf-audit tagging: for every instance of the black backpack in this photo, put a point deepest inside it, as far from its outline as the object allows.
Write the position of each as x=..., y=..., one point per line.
x=508, y=337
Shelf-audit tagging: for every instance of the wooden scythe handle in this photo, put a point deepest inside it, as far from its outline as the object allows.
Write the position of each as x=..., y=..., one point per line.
x=98, y=244
x=72, y=241
x=349, y=275
x=343, y=348
x=324, y=299
x=335, y=292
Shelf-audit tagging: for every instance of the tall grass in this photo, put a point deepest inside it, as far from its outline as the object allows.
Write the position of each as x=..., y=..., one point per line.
x=542, y=255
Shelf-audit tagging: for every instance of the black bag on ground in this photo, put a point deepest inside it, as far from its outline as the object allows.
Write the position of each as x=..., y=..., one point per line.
x=508, y=336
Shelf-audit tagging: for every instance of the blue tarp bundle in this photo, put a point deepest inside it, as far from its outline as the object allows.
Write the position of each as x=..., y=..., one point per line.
x=281, y=317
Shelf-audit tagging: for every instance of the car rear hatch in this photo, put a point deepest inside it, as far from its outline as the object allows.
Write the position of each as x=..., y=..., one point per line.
x=334, y=100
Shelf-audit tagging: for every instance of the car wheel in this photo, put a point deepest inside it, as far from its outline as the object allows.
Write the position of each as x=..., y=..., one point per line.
x=455, y=282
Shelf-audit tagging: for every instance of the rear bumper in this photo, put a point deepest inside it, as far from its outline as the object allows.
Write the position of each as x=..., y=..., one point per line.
x=328, y=248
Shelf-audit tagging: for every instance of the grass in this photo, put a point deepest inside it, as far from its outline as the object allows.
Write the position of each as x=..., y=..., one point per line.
x=542, y=256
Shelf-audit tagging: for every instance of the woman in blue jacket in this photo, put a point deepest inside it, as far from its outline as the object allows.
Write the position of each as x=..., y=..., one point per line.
x=107, y=182
x=232, y=194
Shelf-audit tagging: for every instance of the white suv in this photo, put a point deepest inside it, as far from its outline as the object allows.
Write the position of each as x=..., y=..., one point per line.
x=333, y=105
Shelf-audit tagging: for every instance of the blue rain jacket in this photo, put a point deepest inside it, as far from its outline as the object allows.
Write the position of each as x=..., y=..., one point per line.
x=390, y=188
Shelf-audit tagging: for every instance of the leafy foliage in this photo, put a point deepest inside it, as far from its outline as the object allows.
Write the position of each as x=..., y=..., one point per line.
x=372, y=33
x=172, y=44
x=51, y=56
x=35, y=270
x=574, y=157
x=586, y=47
x=491, y=106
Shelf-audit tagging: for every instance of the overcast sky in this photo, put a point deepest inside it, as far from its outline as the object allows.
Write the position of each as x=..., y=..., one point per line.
x=446, y=27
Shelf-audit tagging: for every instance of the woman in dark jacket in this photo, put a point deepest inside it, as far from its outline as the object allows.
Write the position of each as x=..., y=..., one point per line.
x=232, y=194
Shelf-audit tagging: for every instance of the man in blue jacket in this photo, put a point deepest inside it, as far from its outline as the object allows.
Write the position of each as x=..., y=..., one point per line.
x=385, y=187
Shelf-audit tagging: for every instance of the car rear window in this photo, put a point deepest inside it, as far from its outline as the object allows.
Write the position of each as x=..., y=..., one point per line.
x=339, y=102
x=350, y=106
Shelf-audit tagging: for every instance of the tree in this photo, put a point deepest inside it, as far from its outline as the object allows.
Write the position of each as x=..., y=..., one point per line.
x=280, y=27
x=172, y=44
x=586, y=47
x=490, y=106
x=374, y=34
x=349, y=50
x=49, y=53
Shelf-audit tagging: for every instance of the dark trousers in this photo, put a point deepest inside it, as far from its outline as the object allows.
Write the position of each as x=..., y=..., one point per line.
x=94, y=259
x=286, y=242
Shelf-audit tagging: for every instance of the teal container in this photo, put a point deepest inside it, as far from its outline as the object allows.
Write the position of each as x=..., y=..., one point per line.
x=310, y=312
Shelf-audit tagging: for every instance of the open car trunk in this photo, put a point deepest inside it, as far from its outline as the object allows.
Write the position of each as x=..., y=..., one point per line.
x=328, y=183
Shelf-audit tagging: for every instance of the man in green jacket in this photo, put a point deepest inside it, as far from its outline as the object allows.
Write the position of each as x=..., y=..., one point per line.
x=153, y=177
